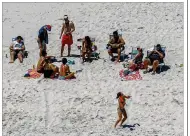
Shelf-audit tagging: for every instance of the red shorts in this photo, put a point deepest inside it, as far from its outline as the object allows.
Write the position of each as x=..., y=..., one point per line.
x=67, y=39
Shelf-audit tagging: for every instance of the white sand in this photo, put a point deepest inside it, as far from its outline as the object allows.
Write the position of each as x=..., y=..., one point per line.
x=87, y=105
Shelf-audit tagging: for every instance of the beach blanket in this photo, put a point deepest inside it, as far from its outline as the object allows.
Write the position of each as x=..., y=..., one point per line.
x=127, y=75
x=32, y=73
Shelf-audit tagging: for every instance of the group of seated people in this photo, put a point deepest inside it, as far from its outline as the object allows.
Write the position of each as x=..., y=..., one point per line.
x=116, y=45
x=153, y=59
x=50, y=70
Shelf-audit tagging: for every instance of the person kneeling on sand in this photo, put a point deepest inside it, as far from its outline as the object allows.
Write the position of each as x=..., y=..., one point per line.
x=65, y=71
x=50, y=70
x=86, y=48
x=17, y=50
x=115, y=45
x=121, y=108
x=154, y=58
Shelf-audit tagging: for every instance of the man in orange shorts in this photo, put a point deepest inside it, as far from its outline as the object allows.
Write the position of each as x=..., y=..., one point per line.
x=66, y=35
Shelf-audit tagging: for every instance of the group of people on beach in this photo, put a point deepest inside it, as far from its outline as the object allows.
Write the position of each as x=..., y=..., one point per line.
x=115, y=45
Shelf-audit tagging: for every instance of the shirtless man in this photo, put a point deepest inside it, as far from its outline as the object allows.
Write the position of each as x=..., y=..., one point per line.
x=116, y=45
x=66, y=35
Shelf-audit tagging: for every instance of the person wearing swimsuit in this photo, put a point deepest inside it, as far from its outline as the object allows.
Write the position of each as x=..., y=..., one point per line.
x=121, y=108
x=66, y=34
x=65, y=71
x=86, y=48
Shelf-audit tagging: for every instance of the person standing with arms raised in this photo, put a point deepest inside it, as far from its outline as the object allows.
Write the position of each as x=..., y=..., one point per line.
x=66, y=35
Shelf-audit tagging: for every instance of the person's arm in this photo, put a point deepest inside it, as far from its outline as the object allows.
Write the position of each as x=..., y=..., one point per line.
x=23, y=48
x=68, y=69
x=72, y=27
x=11, y=47
x=122, y=42
x=127, y=96
x=63, y=27
x=160, y=54
x=137, y=56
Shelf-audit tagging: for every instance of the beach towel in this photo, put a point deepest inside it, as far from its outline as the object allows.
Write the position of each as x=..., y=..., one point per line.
x=67, y=39
x=127, y=75
x=32, y=73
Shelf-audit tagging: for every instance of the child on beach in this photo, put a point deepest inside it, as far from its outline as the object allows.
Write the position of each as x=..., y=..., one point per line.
x=50, y=70
x=121, y=108
x=65, y=71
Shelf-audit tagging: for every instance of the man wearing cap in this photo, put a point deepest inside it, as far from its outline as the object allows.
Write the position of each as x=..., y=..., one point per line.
x=43, y=38
x=66, y=35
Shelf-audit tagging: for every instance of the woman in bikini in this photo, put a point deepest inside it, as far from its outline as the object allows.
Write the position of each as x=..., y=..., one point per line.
x=86, y=48
x=121, y=108
x=65, y=71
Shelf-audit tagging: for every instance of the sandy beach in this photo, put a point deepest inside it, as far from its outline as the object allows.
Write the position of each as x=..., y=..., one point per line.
x=87, y=105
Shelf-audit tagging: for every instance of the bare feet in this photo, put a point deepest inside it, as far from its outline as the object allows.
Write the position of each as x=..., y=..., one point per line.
x=11, y=62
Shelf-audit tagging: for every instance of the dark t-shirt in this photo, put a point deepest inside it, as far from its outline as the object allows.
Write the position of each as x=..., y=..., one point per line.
x=156, y=56
x=43, y=35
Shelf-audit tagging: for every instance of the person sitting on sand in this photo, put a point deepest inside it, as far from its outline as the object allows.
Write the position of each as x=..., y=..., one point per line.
x=66, y=34
x=65, y=71
x=50, y=70
x=43, y=38
x=121, y=108
x=116, y=45
x=136, y=63
x=17, y=49
x=86, y=48
x=154, y=58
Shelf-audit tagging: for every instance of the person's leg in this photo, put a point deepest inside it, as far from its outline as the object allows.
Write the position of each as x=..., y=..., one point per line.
x=71, y=75
x=146, y=63
x=119, y=118
x=155, y=65
x=125, y=116
x=69, y=50
x=83, y=56
x=20, y=57
x=110, y=53
x=12, y=54
x=62, y=49
x=119, y=54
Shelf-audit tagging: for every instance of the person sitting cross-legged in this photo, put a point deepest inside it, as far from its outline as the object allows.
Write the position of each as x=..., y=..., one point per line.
x=65, y=72
x=115, y=45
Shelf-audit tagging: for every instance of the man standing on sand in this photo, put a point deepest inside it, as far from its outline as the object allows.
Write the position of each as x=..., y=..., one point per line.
x=66, y=35
x=43, y=38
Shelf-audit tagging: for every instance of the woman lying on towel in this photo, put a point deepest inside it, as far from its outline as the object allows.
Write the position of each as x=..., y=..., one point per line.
x=65, y=71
